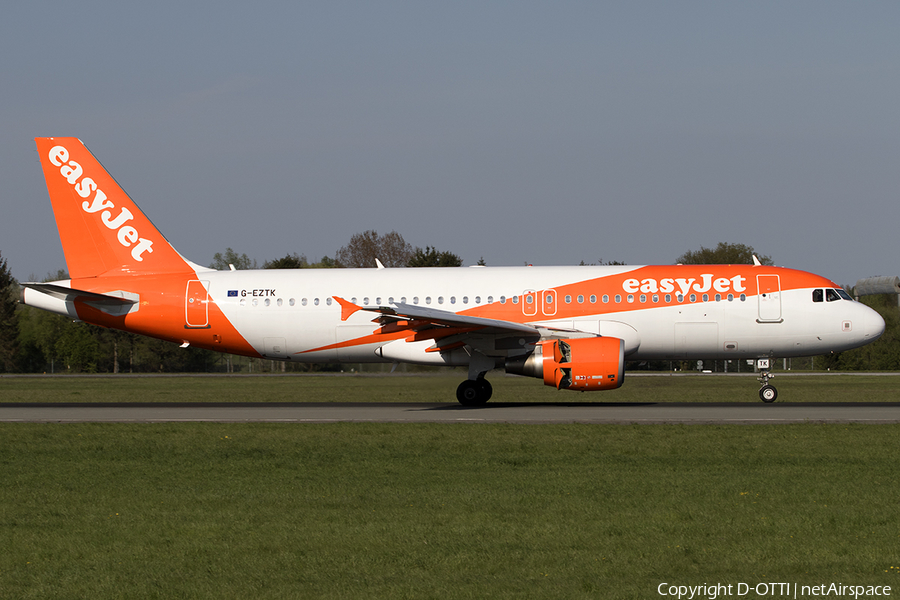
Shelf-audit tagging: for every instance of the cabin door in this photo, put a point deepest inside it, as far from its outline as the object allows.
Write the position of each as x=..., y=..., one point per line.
x=196, y=304
x=769, y=298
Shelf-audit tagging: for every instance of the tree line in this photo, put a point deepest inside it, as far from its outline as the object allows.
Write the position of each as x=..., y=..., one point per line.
x=36, y=341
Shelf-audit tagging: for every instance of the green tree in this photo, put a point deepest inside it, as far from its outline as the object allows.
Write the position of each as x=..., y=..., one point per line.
x=364, y=248
x=326, y=263
x=9, y=322
x=78, y=348
x=293, y=261
x=39, y=331
x=723, y=254
x=430, y=257
x=290, y=261
x=222, y=262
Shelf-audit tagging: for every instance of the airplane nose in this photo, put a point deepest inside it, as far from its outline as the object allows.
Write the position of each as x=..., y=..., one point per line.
x=873, y=325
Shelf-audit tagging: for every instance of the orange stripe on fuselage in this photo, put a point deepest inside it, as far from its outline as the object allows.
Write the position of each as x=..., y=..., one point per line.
x=375, y=338
x=644, y=280
x=161, y=313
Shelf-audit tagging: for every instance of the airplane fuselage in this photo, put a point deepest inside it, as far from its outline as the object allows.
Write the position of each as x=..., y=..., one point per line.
x=574, y=327
x=661, y=312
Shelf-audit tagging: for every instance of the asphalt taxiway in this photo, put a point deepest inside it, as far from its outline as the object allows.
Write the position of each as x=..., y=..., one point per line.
x=619, y=413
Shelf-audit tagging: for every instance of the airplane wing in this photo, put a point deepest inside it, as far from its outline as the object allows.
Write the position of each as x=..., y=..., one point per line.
x=437, y=318
x=450, y=330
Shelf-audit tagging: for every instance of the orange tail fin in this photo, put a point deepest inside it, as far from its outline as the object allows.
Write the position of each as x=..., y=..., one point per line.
x=102, y=230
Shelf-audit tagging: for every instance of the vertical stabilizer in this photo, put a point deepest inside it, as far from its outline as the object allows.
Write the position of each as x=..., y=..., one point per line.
x=102, y=230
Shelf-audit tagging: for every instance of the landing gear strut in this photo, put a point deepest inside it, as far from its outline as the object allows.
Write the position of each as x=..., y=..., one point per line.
x=767, y=393
x=474, y=392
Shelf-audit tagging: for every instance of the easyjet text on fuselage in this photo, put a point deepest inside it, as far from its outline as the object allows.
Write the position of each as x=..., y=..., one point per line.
x=684, y=285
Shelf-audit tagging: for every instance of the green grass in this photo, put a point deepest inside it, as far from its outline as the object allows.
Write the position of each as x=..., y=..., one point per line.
x=440, y=511
x=436, y=388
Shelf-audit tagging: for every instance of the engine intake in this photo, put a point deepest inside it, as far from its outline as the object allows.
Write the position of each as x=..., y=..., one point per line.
x=581, y=364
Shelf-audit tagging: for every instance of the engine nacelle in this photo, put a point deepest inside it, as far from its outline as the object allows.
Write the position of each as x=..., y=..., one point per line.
x=581, y=364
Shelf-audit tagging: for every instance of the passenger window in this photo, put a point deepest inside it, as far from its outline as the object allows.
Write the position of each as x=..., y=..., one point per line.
x=706, y=297
x=655, y=298
x=693, y=297
x=668, y=298
x=580, y=299
x=818, y=295
x=568, y=299
x=618, y=298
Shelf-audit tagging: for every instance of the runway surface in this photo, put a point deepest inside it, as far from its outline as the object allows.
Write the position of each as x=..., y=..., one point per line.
x=697, y=413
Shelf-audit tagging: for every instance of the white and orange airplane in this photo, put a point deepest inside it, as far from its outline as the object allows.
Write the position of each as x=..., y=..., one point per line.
x=573, y=327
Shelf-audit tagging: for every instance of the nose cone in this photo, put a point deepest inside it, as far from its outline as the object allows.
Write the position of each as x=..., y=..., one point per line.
x=872, y=325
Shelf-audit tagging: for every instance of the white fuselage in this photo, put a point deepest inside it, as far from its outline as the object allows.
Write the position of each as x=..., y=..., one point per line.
x=298, y=307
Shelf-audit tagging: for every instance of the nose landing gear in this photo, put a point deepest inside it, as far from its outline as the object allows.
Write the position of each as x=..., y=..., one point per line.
x=767, y=393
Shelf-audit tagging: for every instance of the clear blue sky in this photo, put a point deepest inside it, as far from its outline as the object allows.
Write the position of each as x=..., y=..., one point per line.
x=547, y=133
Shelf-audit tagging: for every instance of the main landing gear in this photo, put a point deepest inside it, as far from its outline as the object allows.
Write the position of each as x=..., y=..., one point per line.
x=767, y=393
x=474, y=392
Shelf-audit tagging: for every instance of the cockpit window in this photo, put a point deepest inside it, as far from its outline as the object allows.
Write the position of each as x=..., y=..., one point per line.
x=832, y=295
x=818, y=295
x=843, y=294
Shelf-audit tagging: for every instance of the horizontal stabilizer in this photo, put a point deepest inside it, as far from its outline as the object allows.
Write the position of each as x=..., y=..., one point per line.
x=69, y=295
